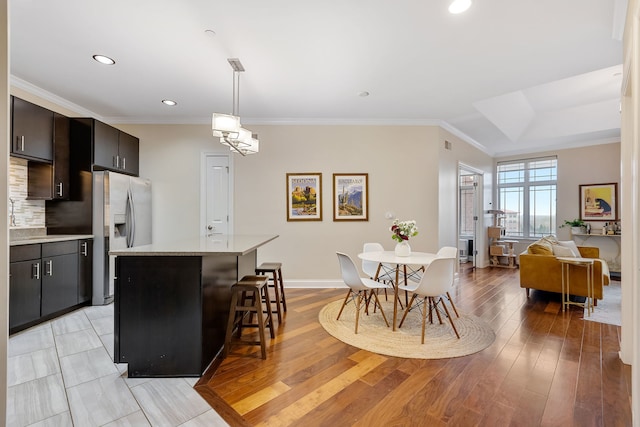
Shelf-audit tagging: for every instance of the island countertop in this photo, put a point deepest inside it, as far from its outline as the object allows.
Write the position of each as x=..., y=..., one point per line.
x=232, y=244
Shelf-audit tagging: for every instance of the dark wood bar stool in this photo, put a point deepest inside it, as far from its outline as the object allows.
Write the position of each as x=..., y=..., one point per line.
x=277, y=283
x=246, y=299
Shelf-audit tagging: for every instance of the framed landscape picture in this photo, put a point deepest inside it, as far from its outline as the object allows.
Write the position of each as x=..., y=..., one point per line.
x=350, y=197
x=304, y=197
x=599, y=202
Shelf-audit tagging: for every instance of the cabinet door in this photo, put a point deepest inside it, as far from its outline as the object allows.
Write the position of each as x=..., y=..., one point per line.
x=128, y=150
x=59, y=283
x=24, y=292
x=31, y=131
x=105, y=146
x=85, y=270
x=61, y=157
x=51, y=181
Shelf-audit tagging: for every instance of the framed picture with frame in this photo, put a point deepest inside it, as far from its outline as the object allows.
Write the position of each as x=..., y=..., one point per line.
x=304, y=196
x=599, y=202
x=350, y=197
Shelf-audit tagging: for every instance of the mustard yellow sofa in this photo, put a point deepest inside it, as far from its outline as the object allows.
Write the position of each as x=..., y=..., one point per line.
x=543, y=272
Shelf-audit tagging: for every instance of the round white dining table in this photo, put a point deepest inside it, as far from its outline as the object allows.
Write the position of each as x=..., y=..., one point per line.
x=399, y=263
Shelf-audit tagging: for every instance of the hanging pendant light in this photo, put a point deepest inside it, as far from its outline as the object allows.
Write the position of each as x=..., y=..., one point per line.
x=227, y=127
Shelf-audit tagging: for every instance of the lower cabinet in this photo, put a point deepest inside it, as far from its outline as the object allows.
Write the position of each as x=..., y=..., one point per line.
x=59, y=276
x=24, y=285
x=46, y=279
x=85, y=270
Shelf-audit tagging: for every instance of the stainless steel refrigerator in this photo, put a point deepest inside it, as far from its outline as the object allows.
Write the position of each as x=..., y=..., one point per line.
x=121, y=219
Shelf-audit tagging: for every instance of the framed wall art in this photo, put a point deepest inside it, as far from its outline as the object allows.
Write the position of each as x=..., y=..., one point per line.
x=350, y=197
x=304, y=197
x=599, y=202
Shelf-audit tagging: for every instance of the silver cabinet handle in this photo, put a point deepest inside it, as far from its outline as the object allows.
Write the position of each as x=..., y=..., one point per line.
x=37, y=274
x=49, y=271
x=59, y=189
x=124, y=163
x=85, y=251
x=118, y=161
x=20, y=141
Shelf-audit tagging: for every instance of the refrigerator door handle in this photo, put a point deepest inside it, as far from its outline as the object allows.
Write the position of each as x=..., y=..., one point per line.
x=131, y=223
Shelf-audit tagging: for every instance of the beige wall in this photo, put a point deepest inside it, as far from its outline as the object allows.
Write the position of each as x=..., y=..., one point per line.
x=404, y=166
x=4, y=190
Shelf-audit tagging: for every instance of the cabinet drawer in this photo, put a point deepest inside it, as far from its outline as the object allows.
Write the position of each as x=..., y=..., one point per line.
x=59, y=248
x=24, y=253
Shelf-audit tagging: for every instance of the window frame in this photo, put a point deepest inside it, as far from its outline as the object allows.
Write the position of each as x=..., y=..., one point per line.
x=527, y=184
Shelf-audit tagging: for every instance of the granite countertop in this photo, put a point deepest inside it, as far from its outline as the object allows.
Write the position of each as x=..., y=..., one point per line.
x=50, y=238
x=198, y=246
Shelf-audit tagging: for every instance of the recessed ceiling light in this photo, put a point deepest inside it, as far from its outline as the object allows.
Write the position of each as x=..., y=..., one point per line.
x=104, y=59
x=169, y=102
x=459, y=6
x=363, y=94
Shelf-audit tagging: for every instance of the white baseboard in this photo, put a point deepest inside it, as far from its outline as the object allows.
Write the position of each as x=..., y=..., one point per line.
x=317, y=284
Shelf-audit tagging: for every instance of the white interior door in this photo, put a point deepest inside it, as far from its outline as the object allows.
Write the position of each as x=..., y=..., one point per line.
x=216, y=195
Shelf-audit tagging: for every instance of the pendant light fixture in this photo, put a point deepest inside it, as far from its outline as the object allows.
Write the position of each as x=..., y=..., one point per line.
x=227, y=127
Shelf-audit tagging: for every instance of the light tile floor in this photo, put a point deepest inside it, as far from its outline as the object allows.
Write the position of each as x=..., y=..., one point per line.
x=61, y=373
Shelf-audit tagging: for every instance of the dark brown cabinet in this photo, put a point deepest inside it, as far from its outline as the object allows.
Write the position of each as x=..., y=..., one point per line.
x=48, y=279
x=85, y=270
x=114, y=149
x=24, y=285
x=52, y=181
x=31, y=131
x=59, y=276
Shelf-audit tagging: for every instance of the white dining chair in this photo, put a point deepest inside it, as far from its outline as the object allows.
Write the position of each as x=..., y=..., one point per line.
x=444, y=252
x=429, y=292
x=359, y=288
x=370, y=268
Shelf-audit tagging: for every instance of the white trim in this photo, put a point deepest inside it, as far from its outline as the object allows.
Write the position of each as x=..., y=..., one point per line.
x=314, y=284
x=62, y=102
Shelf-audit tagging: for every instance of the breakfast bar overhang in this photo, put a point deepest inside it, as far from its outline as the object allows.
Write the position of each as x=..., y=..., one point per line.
x=172, y=301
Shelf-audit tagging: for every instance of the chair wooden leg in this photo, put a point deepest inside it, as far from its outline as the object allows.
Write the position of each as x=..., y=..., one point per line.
x=424, y=316
x=450, y=319
x=358, y=301
x=406, y=311
x=435, y=307
x=381, y=311
x=344, y=303
x=452, y=304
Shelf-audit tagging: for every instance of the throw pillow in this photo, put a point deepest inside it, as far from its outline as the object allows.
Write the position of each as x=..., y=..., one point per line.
x=541, y=247
x=563, y=251
x=572, y=246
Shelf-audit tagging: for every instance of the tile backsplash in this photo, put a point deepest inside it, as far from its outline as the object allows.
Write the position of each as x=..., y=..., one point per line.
x=28, y=213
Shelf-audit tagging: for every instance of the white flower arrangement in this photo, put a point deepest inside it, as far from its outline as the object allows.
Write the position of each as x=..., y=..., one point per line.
x=403, y=230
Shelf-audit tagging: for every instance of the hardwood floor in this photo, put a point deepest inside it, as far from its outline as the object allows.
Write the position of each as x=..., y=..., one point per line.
x=545, y=368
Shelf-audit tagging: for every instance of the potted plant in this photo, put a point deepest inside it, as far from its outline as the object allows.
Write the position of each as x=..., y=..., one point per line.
x=577, y=226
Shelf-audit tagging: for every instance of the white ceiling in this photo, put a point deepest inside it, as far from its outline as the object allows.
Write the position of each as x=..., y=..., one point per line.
x=511, y=76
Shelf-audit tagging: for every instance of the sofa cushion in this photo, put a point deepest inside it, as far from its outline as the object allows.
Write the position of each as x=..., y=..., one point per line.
x=571, y=245
x=563, y=251
x=541, y=247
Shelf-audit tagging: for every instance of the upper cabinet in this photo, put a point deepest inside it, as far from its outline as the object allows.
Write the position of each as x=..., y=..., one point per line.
x=31, y=131
x=114, y=149
x=52, y=181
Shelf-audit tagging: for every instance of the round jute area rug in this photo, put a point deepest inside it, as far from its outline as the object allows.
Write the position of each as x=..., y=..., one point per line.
x=373, y=334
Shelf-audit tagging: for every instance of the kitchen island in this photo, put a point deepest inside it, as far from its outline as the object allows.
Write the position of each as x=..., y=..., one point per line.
x=172, y=301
